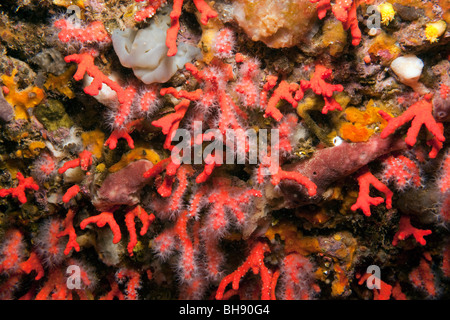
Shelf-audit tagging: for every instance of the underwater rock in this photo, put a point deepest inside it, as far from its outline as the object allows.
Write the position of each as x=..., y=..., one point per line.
x=279, y=24
x=6, y=110
x=122, y=187
x=331, y=164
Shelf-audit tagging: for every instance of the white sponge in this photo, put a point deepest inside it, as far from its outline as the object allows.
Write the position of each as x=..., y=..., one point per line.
x=408, y=70
x=145, y=51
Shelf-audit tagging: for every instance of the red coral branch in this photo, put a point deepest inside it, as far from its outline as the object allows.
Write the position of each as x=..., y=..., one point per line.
x=94, y=32
x=284, y=91
x=402, y=170
x=420, y=113
x=172, y=33
x=255, y=262
x=277, y=175
x=19, y=191
x=71, y=193
x=405, y=230
x=422, y=277
x=382, y=293
x=83, y=161
x=364, y=201
x=344, y=11
x=33, y=264
x=123, y=133
x=171, y=122
x=86, y=64
x=134, y=282
x=101, y=220
x=319, y=86
x=227, y=197
x=145, y=218
x=69, y=230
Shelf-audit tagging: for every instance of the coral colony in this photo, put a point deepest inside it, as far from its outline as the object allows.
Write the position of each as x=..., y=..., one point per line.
x=224, y=149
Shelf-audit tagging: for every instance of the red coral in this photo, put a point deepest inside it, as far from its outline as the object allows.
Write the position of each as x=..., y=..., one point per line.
x=33, y=264
x=255, y=262
x=149, y=10
x=364, y=201
x=124, y=109
x=11, y=251
x=55, y=288
x=69, y=230
x=248, y=83
x=422, y=277
x=134, y=282
x=402, y=170
x=71, y=193
x=405, y=229
x=224, y=43
x=86, y=64
x=19, y=191
x=319, y=86
x=114, y=292
x=297, y=278
x=171, y=38
x=277, y=175
x=94, y=32
x=179, y=237
x=419, y=113
x=444, y=179
x=145, y=218
x=171, y=122
x=284, y=91
x=382, y=293
x=226, y=197
x=101, y=220
x=83, y=161
x=435, y=144
x=122, y=133
x=344, y=11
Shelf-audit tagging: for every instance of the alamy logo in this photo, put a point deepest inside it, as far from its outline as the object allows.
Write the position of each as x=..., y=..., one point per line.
x=74, y=278
x=374, y=280
x=374, y=19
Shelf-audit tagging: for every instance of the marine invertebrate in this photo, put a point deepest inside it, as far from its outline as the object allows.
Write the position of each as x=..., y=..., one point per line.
x=150, y=60
x=406, y=230
x=11, y=251
x=409, y=68
x=387, y=12
x=365, y=179
x=344, y=11
x=254, y=262
x=419, y=113
x=171, y=39
x=273, y=221
x=402, y=171
x=318, y=85
x=149, y=10
x=93, y=32
x=20, y=100
x=422, y=276
x=84, y=161
x=434, y=30
x=341, y=160
x=69, y=230
x=19, y=191
x=296, y=278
